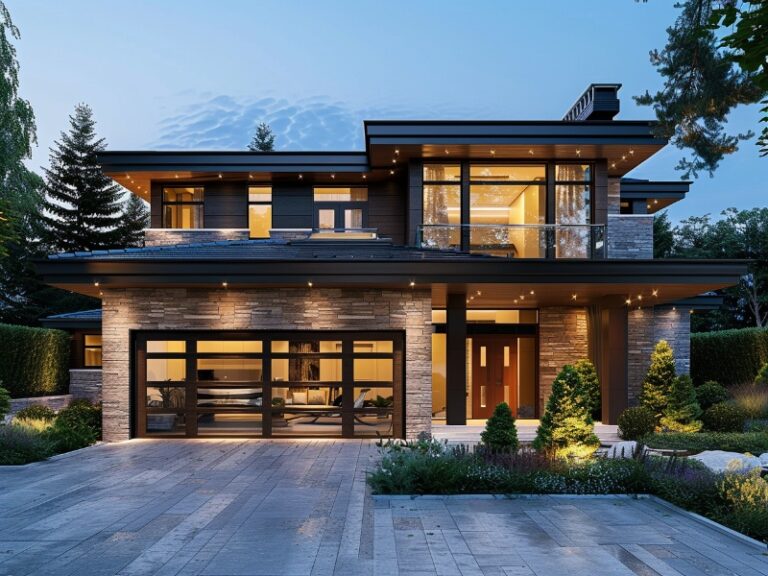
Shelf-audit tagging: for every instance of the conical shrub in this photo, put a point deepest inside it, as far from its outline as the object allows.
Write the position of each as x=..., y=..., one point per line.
x=500, y=432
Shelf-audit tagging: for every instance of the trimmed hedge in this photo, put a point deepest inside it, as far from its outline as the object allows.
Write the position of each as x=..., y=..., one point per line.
x=33, y=361
x=752, y=442
x=728, y=356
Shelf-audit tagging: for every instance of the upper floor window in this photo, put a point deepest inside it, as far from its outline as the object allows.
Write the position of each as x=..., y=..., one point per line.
x=259, y=211
x=442, y=205
x=341, y=208
x=573, y=210
x=183, y=207
x=92, y=350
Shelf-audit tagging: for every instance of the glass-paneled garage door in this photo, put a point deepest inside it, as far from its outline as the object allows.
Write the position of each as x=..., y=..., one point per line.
x=272, y=384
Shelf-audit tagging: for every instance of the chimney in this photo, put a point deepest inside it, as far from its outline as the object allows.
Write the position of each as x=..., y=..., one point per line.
x=599, y=102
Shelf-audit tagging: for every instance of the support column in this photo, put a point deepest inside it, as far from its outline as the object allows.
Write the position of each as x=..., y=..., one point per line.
x=613, y=363
x=456, y=365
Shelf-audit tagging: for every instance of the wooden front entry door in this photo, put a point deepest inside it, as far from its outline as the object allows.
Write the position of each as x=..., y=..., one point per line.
x=494, y=374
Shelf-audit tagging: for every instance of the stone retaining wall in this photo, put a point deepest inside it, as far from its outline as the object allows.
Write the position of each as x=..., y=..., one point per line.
x=85, y=384
x=53, y=402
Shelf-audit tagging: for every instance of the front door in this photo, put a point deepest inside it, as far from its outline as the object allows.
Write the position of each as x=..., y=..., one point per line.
x=494, y=374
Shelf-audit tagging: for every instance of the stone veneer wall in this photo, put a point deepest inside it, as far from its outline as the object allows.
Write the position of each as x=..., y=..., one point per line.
x=630, y=235
x=85, y=383
x=562, y=340
x=258, y=309
x=170, y=236
x=52, y=402
x=645, y=328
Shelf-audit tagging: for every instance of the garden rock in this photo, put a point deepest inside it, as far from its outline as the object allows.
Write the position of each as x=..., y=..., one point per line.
x=721, y=461
x=764, y=459
x=622, y=450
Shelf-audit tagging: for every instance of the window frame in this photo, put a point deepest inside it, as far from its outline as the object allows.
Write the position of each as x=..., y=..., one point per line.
x=338, y=207
x=260, y=203
x=164, y=203
x=87, y=347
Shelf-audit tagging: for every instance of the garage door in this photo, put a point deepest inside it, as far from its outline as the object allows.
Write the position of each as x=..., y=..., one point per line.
x=271, y=384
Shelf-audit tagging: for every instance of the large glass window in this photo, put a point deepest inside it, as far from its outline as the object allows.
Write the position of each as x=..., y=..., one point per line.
x=341, y=194
x=573, y=210
x=183, y=207
x=259, y=211
x=507, y=203
x=442, y=206
x=340, y=211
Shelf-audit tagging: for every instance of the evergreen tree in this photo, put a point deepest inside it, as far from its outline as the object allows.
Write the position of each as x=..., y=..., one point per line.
x=663, y=236
x=135, y=220
x=263, y=140
x=82, y=205
x=591, y=385
x=566, y=428
x=500, y=431
x=682, y=410
x=658, y=381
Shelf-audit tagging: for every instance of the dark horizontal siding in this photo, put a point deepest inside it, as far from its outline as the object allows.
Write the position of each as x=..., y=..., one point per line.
x=292, y=207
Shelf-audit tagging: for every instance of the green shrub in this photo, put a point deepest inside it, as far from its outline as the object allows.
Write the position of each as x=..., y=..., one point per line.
x=634, y=423
x=35, y=412
x=724, y=417
x=661, y=374
x=728, y=356
x=762, y=376
x=566, y=428
x=711, y=393
x=70, y=434
x=747, y=498
x=682, y=410
x=81, y=413
x=591, y=384
x=5, y=403
x=20, y=445
x=500, y=431
x=751, y=398
x=752, y=442
x=33, y=361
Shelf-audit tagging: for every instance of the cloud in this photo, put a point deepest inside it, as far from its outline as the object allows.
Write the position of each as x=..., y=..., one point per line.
x=222, y=122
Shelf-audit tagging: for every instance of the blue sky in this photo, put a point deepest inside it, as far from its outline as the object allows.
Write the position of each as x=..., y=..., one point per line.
x=186, y=74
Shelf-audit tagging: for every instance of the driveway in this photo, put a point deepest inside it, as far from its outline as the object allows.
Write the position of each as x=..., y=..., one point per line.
x=302, y=508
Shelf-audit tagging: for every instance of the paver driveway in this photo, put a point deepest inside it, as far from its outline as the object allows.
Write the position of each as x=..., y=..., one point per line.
x=301, y=507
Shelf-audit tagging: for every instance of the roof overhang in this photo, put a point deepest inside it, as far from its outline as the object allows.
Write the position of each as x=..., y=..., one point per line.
x=656, y=194
x=625, y=144
x=555, y=282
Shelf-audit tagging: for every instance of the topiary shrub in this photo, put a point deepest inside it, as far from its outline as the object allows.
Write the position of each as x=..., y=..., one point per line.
x=658, y=381
x=634, y=423
x=35, y=412
x=500, y=432
x=711, y=393
x=724, y=417
x=591, y=384
x=34, y=361
x=762, y=376
x=683, y=410
x=566, y=428
x=5, y=403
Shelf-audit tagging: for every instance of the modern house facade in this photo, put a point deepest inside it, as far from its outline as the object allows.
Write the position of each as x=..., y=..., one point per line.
x=446, y=268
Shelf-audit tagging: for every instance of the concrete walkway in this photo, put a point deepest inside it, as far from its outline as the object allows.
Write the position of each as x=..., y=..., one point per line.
x=221, y=507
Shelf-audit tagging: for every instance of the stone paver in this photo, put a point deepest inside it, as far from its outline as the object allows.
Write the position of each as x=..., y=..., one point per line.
x=261, y=507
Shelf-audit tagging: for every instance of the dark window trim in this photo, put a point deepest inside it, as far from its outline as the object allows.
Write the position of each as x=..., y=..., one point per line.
x=164, y=203
x=259, y=203
x=86, y=347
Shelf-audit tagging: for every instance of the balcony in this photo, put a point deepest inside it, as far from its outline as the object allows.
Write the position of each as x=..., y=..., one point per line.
x=574, y=241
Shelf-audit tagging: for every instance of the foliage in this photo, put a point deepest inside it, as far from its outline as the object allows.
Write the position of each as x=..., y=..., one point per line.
x=82, y=205
x=591, y=384
x=703, y=83
x=663, y=236
x=82, y=412
x=728, y=356
x=35, y=412
x=762, y=376
x=659, y=379
x=566, y=426
x=746, y=497
x=752, y=442
x=500, y=432
x=710, y=393
x=5, y=402
x=724, y=417
x=22, y=444
x=76, y=426
x=382, y=401
x=263, y=140
x=752, y=399
x=635, y=423
x=682, y=411
x=134, y=220
x=33, y=361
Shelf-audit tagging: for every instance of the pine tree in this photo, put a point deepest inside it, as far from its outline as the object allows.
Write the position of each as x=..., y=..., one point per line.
x=82, y=205
x=135, y=220
x=500, y=431
x=263, y=140
x=682, y=410
x=661, y=374
x=591, y=384
x=566, y=429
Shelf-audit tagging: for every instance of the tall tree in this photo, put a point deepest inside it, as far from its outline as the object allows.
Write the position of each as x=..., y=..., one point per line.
x=663, y=236
x=135, y=219
x=703, y=82
x=658, y=380
x=82, y=204
x=263, y=140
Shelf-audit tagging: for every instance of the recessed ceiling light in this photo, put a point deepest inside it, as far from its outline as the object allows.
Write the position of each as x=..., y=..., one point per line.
x=220, y=176
x=391, y=171
x=655, y=292
x=532, y=292
x=530, y=151
x=301, y=176
x=493, y=152
x=397, y=151
x=333, y=176
x=479, y=293
x=573, y=296
x=628, y=301
x=365, y=176
x=394, y=160
x=224, y=284
x=309, y=284
x=412, y=284
x=446, y=151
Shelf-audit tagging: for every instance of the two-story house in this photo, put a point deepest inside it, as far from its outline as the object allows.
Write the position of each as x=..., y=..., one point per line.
x=446, y=268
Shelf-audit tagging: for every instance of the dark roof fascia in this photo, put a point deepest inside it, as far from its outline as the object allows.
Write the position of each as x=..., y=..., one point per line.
x=233, y=161
x=702, y=302
x=643, y=189
x=65, y=324
x=168, y=271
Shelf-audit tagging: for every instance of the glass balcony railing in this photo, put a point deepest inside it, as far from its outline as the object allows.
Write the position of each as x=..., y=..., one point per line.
x=582, y=241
